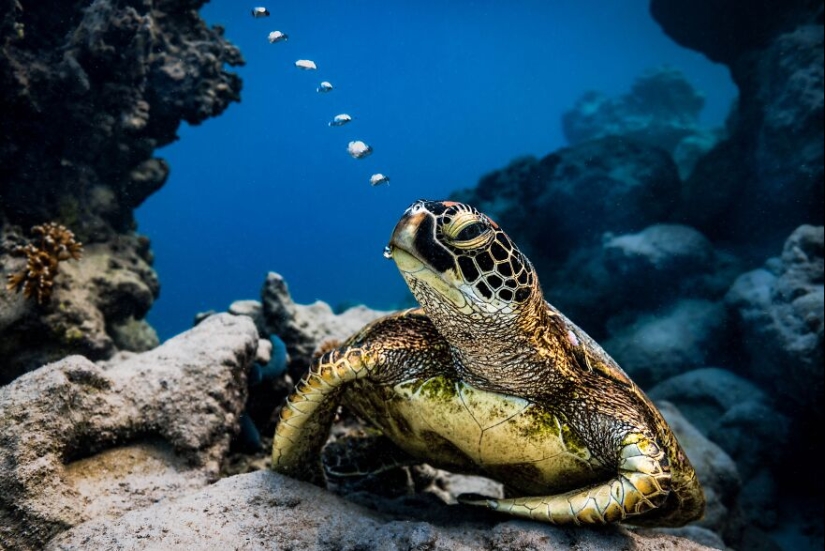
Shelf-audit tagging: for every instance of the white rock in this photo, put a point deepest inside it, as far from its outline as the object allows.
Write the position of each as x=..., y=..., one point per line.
x=290, y=517
x=264, y=353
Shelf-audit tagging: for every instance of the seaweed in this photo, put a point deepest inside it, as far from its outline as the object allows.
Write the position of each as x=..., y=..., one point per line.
x=56, y=243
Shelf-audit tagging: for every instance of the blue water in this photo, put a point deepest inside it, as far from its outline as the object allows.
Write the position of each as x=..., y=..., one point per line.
x=443, y=92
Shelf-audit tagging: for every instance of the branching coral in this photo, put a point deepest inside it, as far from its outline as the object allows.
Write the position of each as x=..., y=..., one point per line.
x=57, y=243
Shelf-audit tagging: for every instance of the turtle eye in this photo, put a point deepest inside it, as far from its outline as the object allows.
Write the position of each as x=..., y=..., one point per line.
x=470, y=232
x=467, y=230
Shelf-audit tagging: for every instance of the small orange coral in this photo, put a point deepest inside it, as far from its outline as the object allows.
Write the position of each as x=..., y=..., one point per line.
x=57, y=243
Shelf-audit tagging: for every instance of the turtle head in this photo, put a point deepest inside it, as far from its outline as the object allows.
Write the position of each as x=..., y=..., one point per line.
x=458, y=262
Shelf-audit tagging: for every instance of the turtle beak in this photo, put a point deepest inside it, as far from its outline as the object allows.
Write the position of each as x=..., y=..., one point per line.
x=403, y=236
x=413, y=244
x=422, y=261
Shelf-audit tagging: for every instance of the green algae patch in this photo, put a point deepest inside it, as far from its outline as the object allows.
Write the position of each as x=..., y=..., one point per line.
x=439, y=389
x=573, y=441
x=540, y=424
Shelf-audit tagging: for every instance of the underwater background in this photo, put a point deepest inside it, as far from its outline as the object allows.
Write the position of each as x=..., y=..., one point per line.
x=182, y=231
x=443, y=92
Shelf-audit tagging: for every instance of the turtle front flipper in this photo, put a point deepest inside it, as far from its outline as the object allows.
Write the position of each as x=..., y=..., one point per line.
x=642, y=484
x=308, y=413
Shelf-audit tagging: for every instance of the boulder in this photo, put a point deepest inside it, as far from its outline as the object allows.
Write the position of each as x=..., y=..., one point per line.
x=739, y=417
x=305, y=328
x=716, y=471
x=653, y=347
x=569, y=198
x=82, y=440
x=662, y=109
x=779, y=310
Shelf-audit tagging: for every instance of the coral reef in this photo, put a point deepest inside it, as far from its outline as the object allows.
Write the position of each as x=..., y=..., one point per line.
x=88, y=91
x=118, y=447
x=36, y=280
x=654, y=260
x=122, y=76
x=305, y=328
x=97, y=308
x=301, y=331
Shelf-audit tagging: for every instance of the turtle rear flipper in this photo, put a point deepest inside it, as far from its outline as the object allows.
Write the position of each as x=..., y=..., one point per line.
x=372, y=464
x=360, y=456
x=643, y=484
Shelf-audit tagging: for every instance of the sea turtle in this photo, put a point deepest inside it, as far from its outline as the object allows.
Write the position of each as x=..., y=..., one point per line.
x=488, y=378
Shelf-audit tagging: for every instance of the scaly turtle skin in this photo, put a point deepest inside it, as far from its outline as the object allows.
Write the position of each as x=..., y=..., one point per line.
x=487, y=378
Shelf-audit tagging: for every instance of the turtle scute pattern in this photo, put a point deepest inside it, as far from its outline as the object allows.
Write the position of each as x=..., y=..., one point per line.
x=488, y=378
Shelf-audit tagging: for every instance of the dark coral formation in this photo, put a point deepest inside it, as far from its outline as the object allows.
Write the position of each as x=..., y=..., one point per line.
x=88, y=91
x=57, y=243
x=772, y=159
x=727, y=29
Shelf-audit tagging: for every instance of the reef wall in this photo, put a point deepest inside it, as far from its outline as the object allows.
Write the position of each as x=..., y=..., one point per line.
x=88, y=91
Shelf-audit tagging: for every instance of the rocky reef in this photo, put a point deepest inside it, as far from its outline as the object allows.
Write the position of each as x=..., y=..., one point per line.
x=83, y=440
x=265, y=510
x=88, y=91
x=108, y=454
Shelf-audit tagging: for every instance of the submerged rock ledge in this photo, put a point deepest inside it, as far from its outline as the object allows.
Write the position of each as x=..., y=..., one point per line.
x=265, y=510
